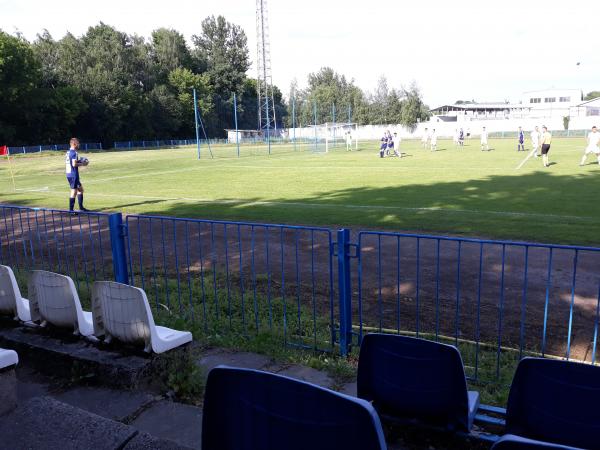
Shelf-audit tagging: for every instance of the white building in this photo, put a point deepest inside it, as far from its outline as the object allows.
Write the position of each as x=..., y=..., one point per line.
x=544, y=104
x=551, y=103
x=242, y=135
x=589, y=108
x=466, y=112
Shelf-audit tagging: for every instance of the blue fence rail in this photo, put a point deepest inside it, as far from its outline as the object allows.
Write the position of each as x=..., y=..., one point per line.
x=37, y=238
x=248, y=276
x=51, y=147
x=497, y=301
x=166, y=143
x=161, y=143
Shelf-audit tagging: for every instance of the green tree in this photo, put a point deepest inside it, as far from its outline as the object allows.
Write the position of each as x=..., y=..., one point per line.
x=413, y=108
x=167, y=113
x=20, y=75
x=46, y=51
x=592, y=95
x=183, y=81
x=223, y=48
x=109, y=67
x=169, y=51
x=326, y=89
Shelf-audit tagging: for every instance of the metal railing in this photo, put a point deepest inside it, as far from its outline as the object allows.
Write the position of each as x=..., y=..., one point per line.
x=15, y=150
x=75, y=245
x=497, y=301
x=156, y=143
x=239, y=276
x=555, y=133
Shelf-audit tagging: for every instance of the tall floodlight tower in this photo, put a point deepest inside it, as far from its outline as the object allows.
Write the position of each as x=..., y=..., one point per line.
x=267, y=119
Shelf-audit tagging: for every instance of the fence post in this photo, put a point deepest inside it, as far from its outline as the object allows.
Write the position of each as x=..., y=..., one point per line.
x=117, y=244
x=344, y=289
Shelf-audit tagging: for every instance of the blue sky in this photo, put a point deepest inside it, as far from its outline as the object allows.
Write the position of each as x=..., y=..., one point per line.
x=453, y=50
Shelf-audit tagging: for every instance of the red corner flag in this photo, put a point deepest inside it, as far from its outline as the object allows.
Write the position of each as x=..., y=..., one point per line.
x=3, y=150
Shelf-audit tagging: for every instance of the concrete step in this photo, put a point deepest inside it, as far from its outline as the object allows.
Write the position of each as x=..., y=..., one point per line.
x=43, y=423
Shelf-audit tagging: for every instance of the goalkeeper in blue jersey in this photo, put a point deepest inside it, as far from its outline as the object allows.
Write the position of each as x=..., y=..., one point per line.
x=72, y=164
x=521, y=138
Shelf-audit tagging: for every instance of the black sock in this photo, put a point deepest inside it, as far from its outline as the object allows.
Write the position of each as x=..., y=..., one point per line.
x=71, y=203
x=80, y=200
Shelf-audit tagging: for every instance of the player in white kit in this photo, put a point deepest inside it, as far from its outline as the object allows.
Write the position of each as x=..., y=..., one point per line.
x=593, y=145
x=535, y=141
x=397, y=140
x=425, y=139
x=433, y=140
x=484, y=140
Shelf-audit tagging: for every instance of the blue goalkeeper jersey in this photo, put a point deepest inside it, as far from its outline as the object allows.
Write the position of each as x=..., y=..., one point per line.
x=71, y=170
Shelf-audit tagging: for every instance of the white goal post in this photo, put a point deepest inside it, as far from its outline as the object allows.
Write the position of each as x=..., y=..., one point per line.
x=340, y=136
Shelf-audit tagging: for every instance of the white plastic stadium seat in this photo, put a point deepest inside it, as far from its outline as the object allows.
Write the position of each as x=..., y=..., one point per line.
x=122, y=311
x=8, y=358
x=53, y=299
x=11, y=301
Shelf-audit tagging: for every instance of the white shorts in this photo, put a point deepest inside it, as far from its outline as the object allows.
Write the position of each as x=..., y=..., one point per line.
x=592, y=149
x=484, y=142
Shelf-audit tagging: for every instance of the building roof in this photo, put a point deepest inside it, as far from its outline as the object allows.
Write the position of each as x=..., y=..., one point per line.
x=244, y=131
x=552, y=90
x=594, y=100
x=478, y=106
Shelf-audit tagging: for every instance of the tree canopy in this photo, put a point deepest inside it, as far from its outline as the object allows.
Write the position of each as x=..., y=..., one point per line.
x=329, y=91
x=107, y=85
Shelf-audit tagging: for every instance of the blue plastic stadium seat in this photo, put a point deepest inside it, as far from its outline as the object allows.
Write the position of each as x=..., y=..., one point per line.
x=416, y=380
x=555, y=401
x=252, y=410
x=512, y=442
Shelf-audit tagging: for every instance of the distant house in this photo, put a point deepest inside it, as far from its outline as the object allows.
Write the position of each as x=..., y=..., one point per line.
x=465, y=112
x=253, y=135
x=587, y=108
x=550, y=103
x=543, y=104
x=243, y=135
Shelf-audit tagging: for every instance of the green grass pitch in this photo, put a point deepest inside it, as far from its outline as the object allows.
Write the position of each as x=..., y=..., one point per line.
x=458, y=191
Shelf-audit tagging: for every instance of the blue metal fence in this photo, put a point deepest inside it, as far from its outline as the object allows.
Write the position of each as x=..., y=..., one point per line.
x=37, y=238
x=163, y=143
x=51, y=147
x=497, y=301
x=247, y=276
x=166, y=143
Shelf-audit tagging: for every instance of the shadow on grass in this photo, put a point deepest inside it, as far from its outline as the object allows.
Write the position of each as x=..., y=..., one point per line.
x=537, y=206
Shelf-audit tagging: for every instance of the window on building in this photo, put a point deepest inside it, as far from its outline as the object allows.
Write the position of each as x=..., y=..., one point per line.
x=550, y=100
x=535, y=100
x=565, y=99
